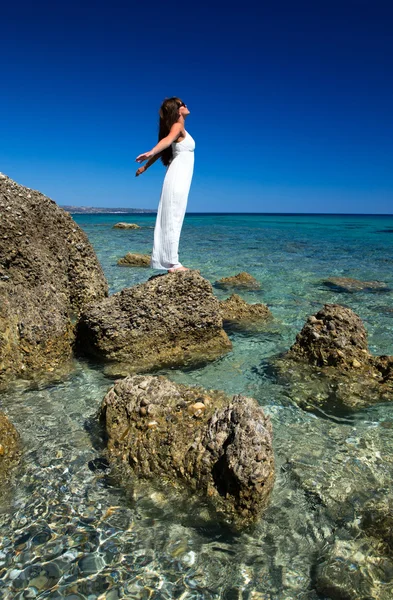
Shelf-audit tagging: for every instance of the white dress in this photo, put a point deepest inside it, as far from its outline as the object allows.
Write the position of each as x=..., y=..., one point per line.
x=172, y=205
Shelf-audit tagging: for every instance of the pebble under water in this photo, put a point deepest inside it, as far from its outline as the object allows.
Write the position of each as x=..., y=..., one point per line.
x=68, y=530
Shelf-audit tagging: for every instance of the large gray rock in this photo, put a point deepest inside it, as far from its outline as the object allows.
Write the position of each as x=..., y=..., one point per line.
x=170, y=320
x=330, y=364
x=48, y=273
x=216, y=446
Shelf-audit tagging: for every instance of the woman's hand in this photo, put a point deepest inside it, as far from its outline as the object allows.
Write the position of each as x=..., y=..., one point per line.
x=145, y=156
x=140, y=171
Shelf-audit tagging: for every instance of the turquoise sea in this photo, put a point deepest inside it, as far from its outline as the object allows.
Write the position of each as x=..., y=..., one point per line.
x=67, y=530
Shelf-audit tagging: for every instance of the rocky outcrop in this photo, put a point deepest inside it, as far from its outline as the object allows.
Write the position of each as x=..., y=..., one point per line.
x=335, y=336
x=126, y=226
x=216, y=446
x=237, y=311
x=134, y=260
x=48, y=273
x=242, y=281
x=9, y=448
x=347, y=284
x=332, y=351
x=170, y=320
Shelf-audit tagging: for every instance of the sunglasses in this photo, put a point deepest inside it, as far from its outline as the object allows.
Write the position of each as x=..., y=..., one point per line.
x=182, y=104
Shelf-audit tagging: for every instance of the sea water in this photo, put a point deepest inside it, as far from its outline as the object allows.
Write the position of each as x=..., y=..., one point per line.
x=67, y=530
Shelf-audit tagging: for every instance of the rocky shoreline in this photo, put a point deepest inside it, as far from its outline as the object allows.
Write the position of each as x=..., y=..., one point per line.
x=55, y=300
x=55, y=307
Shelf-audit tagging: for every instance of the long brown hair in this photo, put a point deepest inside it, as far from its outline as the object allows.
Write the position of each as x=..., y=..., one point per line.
x=169, y=115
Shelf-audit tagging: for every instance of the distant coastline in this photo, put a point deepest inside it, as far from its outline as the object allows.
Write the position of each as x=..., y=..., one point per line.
x=92, y=210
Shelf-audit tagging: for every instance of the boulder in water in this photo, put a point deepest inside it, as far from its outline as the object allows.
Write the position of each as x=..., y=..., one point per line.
x=215, y=446
x=236, y=310
x=335, y=336
x=126, y=226
x=134, y=260
x=170, y=320
x=330, y=364
x=48, y=273
x=242, y=281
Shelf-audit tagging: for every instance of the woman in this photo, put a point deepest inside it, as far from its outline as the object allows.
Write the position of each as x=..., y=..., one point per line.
x=176, y=149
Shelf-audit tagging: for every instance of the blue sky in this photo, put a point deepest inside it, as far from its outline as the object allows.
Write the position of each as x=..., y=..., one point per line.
x=291, y=102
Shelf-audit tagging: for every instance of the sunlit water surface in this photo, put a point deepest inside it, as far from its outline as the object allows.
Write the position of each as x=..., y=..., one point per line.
x=67, y=530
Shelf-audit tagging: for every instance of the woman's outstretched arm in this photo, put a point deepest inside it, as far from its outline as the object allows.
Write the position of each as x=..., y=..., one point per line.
x=174, y=133
x=149, y=163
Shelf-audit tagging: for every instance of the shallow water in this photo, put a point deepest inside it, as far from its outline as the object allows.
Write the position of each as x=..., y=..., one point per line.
x=68, y=531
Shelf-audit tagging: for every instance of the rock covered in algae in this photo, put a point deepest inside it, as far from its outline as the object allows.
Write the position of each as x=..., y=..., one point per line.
x=48, y=272
x=9, y=448
x=170, y=320
x=126, y=226
x=236, y=310
x=216, y=446
x=330, y=363
x=243, y=281
x=134, y=260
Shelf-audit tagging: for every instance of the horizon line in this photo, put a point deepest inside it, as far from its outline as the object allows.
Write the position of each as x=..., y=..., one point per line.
x=143, y=211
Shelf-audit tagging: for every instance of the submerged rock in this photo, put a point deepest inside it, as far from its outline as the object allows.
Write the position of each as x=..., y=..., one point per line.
x=134, y=260
x=217, y=446
x=377, y=521
x=345, y=471
x=48, y=273
x=342, y=474
x=242, y=280
x=330, y=364
x=236, y=310
x=9, y=448
x=170, y=320
x=347, y=284
x=353, y=570
x=126, y=226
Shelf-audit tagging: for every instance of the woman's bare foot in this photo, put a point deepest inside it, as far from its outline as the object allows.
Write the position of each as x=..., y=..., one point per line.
x=178, y=269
